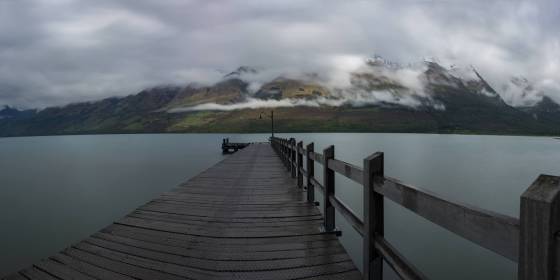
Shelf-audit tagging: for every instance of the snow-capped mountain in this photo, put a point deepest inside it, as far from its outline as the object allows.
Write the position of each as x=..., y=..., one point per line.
x=380, y=96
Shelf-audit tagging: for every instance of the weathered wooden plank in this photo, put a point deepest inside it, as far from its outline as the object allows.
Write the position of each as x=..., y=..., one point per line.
x=350, y=274
x=231, y=233
x=316, y=183
x=15, y=276
x=232, y=220
x=347, y=213
x=180, y=240
x=298, y=273
x=228, y=252
x=61, y=271
x=403, y=268
x=349, y=171
x=89, y=269
x=34, y=273
x=243, y=210
x=316, y=157
x=208, y=263
x=122, y=266
x=232, y=214
x=241, y=206
x=181, y=198
x=496, y=232
x=219, y=224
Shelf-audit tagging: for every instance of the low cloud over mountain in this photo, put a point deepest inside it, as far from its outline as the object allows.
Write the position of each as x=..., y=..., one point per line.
x=371, y=81
x=64, y=51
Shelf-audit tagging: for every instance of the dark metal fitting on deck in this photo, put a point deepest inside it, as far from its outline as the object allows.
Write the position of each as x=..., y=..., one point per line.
x=335, y=231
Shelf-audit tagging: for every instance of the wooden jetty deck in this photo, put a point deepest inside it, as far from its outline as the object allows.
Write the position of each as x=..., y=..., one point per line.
x=244, y=218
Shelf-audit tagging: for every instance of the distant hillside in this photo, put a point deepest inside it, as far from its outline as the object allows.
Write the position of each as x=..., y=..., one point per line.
x=377, y=99
x=229, y=91
x=8, y=112
x=545, y=111
x=281, y=88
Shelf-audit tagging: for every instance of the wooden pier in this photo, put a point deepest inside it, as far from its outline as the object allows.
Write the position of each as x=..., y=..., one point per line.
x=244, y=218
x=254, y=216
x=533, y=240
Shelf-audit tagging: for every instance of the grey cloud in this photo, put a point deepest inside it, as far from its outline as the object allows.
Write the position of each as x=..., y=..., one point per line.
x=59, y=51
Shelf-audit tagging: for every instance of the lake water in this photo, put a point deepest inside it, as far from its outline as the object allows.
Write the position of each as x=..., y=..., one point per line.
x=57, y=190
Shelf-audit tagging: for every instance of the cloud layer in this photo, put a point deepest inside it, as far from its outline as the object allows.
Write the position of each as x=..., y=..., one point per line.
x=53, y=52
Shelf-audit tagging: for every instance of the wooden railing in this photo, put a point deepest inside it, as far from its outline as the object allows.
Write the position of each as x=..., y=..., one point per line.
x=533, y=241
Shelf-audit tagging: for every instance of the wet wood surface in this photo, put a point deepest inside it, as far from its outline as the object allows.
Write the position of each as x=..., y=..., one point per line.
x=243, y=218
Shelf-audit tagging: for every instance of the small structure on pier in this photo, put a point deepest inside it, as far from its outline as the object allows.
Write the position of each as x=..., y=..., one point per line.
x=228, y=147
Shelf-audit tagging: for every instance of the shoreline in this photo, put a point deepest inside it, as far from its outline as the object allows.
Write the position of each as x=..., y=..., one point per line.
x=280, y=132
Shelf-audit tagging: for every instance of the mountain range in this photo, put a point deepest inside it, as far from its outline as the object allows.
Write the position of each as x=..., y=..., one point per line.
x=380, y=97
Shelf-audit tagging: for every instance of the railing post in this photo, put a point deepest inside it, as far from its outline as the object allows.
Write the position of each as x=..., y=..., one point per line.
x=287, y=159
x=293, y=156
x=284, y=152
x=539, y=228
x=299, y=164
x=373, y=217
x=288, y=154
x=310, y=173
x=328, y=183
x=279, y=141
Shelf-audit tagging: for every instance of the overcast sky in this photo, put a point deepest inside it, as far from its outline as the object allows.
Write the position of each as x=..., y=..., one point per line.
x=53, y=52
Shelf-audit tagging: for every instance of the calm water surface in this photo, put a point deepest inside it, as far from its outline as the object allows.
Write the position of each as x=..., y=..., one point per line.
x=57, y=190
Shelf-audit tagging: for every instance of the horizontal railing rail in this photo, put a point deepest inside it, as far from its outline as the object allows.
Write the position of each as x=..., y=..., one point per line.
x=496, y=232
x=348, y=170
x=502, y=234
